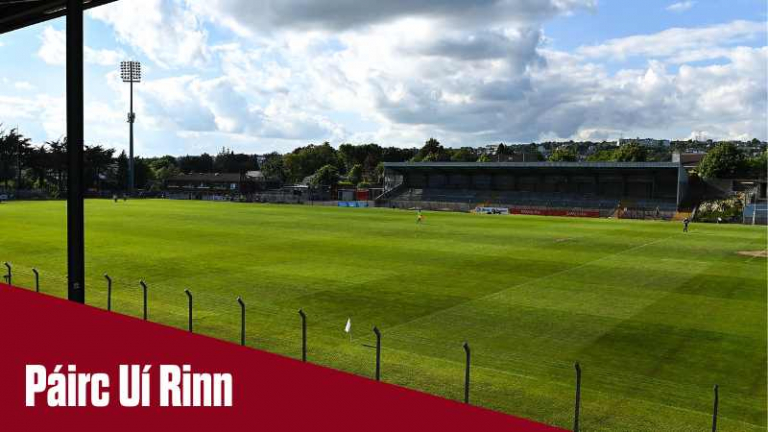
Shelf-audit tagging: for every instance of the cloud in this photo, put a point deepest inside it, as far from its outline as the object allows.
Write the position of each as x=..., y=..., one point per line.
x=686, y=43
x=467, y=73
x=681, y=6
x=24, y=86
x=249, y=16
x=167, y=32
x=519, y=45
x=480, y=100
x=474, y=84
x=53, y=50
x=192, y=104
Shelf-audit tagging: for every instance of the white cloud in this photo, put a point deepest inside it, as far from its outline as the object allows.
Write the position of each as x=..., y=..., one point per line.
x=476, y=83
x=189, y=103
x=53, y=50
x=685, y=43
x=167, y=32
x=24, y=86
x=53, y=47
x=681, y=6
x=468, y=75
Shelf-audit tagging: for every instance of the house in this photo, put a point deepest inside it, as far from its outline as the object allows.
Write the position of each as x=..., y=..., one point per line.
x=204, y=185
x=644, y=142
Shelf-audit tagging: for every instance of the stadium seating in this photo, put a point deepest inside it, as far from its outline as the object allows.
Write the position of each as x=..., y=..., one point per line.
x=606, y=206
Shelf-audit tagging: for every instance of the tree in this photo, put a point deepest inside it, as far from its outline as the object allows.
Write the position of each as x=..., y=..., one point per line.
x=58, y=159
x=367, y=155
x=463, y=154
x=605, y=155
x=756, y=167
x=723, y=161
x=432, y=151
x=484, y=158
x=163, y=169
x=563, y=154
x=378, y=173
x=39, y=163
x=122, y=171
x=273, y=167
x=143, y=175
x=97, y=159
x=328, y=175
x=197, y=164
x=631, y=152
x=305, y=161
x=15, y=149
x=228, y=161
x=396, y=154
x=355, y=175
x=503, y=152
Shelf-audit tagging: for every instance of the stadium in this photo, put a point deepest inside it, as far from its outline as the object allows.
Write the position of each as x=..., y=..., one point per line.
x=575, y=293
x=545, y=188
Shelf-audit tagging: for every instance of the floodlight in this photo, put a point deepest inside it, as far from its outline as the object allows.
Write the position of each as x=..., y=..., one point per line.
x=130, y=71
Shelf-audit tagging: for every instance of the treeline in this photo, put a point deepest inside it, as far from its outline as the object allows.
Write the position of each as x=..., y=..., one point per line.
x=44, y=167
x=726, y=160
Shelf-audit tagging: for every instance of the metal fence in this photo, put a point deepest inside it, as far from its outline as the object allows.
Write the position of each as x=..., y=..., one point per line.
x=298, y=346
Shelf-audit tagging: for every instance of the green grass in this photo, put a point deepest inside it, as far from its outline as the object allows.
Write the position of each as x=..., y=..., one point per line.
x=656, y=317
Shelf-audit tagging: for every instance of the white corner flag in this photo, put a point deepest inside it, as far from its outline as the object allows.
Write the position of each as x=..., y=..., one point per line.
x=348, y=328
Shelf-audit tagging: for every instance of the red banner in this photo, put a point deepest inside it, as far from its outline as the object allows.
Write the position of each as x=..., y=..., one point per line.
x=554, y=212
x=50, y=343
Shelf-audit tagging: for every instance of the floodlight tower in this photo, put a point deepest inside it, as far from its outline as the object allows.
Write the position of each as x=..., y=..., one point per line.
x=130, y=72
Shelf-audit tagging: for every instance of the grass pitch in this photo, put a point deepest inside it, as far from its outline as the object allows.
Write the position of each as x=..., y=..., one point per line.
x=655, y=317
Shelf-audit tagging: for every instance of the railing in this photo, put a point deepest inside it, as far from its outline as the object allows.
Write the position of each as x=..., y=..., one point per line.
x=377, y=366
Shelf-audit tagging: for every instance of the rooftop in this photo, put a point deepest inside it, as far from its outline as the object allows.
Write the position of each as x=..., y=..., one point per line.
x=207, y=177
x=498, y=165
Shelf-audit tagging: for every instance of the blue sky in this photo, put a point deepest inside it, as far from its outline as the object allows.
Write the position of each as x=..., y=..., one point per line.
x=259, y=76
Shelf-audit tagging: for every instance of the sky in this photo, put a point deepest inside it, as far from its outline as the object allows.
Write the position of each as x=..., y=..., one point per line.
x=258, y=76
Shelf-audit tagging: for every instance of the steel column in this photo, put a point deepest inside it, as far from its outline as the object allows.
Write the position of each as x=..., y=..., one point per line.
x=378, y=353
x=131, y=175
x=714, y=410
x=242, y=320
x=75, y=138
x=466, y=373
x=303, y=335
x=577, y=409
x=189, y=297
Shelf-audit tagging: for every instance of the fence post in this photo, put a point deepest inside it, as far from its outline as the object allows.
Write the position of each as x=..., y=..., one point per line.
x=8, y=276
x=189, y=296
x=378, y=353
x=466, y=374
x=303, y=335
x=144, y=287
x=242, y=320
x=37, y=279
x=109, y=291
x=714, y=412
x=578, y=398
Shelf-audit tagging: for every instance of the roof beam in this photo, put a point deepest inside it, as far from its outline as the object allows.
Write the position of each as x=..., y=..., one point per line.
x=17, y=14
